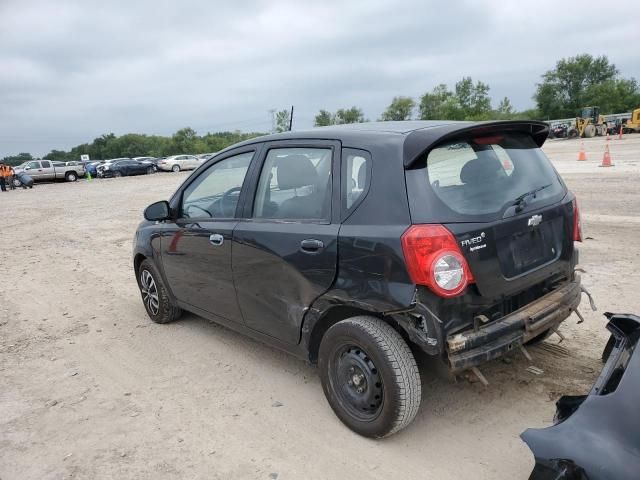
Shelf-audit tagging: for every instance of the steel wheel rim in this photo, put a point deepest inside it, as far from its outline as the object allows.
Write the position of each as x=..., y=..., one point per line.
x=357, y=383
x=149, y=292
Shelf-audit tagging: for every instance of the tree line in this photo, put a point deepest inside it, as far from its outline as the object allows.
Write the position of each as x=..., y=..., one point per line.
x=574, y=83
x=185, y=140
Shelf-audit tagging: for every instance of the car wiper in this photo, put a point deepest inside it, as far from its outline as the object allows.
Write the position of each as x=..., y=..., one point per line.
x=520, y=203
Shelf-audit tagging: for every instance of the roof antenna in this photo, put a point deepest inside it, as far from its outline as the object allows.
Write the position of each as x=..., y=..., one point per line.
x=291, y=118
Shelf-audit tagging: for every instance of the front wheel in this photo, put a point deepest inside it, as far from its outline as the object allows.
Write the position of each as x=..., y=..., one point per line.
x=369, y=376
x=155, y=297
x=175, y=168
x=150, y=170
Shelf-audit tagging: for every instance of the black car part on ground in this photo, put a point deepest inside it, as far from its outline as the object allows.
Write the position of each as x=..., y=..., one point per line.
x=597, y=436
x=22, y=180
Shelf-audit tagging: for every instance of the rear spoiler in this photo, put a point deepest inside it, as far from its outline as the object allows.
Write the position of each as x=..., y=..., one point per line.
x=422, y=141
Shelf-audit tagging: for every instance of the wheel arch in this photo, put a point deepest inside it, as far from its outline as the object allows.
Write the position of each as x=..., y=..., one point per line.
x=315, y=328
x=137, y=261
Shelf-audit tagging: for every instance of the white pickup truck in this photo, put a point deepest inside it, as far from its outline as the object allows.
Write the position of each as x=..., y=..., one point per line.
x=46, y=170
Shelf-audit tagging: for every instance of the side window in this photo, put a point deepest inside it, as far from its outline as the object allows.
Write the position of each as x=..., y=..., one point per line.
x=356, y=173
x=46, y=164
x=34, y=165
x=295, y=184
x=215, y=192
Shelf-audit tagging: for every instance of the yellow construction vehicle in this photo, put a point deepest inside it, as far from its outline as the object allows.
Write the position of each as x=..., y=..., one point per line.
x=633, y=124
x=589, y=124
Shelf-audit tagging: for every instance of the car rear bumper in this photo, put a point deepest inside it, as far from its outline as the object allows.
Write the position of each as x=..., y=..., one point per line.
x=470, y=349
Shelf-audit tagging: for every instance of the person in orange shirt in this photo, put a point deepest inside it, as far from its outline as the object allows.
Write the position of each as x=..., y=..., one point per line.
x=5, y=175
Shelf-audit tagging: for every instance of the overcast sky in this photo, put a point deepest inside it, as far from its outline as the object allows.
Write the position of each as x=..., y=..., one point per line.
x=73, y=70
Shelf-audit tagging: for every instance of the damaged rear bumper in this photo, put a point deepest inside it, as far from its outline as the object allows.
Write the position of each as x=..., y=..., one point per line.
x=470, y=349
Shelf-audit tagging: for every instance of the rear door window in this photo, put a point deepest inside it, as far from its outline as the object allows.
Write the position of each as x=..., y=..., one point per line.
x=295, y=184
x=485, y=175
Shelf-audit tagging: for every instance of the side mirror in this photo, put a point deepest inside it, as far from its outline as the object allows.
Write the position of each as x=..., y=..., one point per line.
x=156, y=212
x=27, y=168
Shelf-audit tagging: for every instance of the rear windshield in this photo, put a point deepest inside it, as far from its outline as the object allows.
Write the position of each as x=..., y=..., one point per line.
x=485, y=175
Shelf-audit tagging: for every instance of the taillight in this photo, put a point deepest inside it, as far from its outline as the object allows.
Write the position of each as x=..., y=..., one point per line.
x=577, y=223
x=434, y=259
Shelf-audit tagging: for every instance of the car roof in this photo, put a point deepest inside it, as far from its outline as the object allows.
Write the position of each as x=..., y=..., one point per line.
x=415, y=137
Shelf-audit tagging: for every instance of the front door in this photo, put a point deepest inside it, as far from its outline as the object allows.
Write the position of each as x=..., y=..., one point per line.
x=35, y=171
x=196, y=248
x=285, y=250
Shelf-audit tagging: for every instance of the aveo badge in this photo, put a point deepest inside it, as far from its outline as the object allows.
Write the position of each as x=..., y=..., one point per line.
x=474, y=243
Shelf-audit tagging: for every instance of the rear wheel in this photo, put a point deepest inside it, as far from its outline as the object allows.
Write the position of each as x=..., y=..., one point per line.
x=71, y=177
x=175, y=168
x=369, y=376
x=155, y=296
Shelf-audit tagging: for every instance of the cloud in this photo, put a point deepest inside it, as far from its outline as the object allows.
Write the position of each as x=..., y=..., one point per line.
x=70, y=71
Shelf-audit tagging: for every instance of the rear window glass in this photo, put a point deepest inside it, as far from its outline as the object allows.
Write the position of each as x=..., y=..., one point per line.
x=485, y=175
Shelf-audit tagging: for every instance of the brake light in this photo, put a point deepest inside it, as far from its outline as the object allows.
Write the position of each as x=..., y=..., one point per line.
x=435, y=260
x=577, y=223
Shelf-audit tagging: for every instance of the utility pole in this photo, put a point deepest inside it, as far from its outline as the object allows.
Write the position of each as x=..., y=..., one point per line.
x=272, y=112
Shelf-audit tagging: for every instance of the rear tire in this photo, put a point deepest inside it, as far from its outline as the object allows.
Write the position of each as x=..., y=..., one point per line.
x=369, y=376
x=71, y=177
x=155, y=297
x=175, y=168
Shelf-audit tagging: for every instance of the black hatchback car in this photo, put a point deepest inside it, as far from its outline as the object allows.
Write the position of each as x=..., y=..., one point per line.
x=345, y=245
x=123, y=168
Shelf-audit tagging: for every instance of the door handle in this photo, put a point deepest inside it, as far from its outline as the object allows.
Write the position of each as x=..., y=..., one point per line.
x=311, y=245
x=216, y=239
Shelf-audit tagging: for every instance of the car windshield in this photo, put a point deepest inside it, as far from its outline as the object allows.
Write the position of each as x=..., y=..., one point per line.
x=486, y=175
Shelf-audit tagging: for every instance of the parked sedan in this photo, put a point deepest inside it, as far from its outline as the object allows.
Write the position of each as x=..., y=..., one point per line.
x=179, y=162
x=122, y=168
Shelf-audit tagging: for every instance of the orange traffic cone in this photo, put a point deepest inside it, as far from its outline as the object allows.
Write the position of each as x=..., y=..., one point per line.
x=608, y=136
x=582, y=156
x=606, y=159
x=620, y=136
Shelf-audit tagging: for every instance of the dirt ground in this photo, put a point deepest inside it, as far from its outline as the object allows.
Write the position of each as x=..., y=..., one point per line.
x=91, y=389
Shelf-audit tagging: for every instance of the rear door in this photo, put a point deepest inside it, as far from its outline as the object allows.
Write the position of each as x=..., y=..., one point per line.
x=196, y=248
x=285, y=249
x=505, y=204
